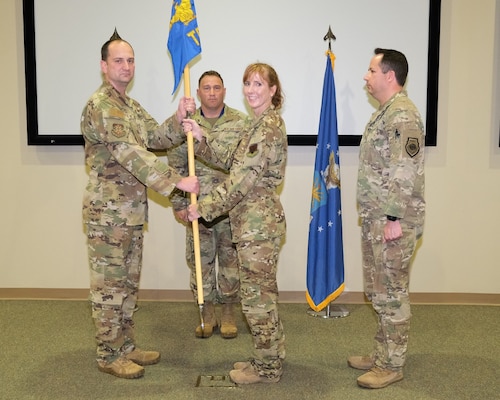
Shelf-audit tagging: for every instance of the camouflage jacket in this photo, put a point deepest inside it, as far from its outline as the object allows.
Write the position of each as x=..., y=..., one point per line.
x=225, y=135
x=391, y=163
x=250, y=193
x=117, y=133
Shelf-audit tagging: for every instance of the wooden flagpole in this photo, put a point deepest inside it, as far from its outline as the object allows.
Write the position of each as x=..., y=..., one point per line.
x=196, y=232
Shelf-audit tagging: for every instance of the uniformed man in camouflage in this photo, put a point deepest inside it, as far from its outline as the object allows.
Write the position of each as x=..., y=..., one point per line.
x=220, y=286
x=251, y=195
x=390, y=196
x=117, y=133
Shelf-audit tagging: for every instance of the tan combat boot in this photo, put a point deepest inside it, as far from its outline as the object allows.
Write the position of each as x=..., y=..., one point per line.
x=241, y=364
x=228, y=327
x=209, y=320
x=143, y=357
x=360, y=362
x=122, y=368
x=250, y=375
x=378, y=378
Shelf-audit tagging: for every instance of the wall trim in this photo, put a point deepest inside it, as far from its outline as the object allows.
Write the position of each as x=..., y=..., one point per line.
x=285, y=296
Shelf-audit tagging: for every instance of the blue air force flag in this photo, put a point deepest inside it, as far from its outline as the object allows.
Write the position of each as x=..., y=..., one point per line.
x=325, y=255
x=183, y=39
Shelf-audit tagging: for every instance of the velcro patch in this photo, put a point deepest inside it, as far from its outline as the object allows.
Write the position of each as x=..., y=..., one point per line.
x=412, y=146
x=116, y=113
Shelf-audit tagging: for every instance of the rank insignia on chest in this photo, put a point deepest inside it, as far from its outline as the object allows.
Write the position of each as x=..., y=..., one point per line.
x=118, y=130
x=252, y=150
x=412, y=146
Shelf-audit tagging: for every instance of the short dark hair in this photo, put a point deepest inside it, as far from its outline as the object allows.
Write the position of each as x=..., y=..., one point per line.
x=393, y=60
x=210, y=73
x=115, y=37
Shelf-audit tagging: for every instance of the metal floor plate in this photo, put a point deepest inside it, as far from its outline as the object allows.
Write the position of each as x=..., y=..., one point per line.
x=215, y=381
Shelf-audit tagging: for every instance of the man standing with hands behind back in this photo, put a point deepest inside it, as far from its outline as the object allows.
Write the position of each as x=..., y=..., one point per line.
x=390, y=196
x=117, y=133
x=223, y=125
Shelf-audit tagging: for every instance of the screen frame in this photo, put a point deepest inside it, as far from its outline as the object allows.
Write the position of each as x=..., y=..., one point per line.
x=35, y=139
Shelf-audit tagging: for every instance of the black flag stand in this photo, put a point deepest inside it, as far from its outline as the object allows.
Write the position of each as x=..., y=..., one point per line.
x=330, y=311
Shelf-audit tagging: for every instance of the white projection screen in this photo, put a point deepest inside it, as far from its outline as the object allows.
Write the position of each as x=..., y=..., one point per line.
x=63, y=41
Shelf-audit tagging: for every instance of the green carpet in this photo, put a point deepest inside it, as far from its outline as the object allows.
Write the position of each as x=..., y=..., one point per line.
x=48, y=353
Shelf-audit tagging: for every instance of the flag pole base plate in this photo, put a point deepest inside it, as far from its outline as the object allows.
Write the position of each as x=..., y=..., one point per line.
x=215, y=381
x=330, y=311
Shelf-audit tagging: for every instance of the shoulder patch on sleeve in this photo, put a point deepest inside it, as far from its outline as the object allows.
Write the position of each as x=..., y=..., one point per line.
x=412, y=146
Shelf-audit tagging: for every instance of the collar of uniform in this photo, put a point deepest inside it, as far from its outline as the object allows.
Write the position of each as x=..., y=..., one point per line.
x=115, y=93
x=401, y=93
x=220, y=115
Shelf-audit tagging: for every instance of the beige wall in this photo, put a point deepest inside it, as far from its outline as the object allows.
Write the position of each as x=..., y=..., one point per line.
x=42, y=244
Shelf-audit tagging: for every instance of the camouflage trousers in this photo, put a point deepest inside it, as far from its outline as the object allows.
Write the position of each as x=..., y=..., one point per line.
x=115, y=261
x=219, y=262
x=386, y=270
x=259, y=300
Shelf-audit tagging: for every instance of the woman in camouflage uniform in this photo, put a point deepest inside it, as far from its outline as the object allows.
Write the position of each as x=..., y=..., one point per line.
x=250, y=194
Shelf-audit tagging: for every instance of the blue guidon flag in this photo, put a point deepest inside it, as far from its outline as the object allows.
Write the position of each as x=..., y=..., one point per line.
x=325, y=253
x=183, y=38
